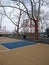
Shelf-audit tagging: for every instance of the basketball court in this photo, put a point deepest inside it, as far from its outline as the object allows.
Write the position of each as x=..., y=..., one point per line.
x=21, y=52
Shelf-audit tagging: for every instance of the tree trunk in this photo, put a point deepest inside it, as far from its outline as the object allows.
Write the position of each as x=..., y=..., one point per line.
x=36, y=29
x=30, y=30
x=17, y=30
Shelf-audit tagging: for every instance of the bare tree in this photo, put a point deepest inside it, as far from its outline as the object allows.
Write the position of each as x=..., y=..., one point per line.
x=18, y=17
x=35, y=8
x=9, y=17
x=34, y=12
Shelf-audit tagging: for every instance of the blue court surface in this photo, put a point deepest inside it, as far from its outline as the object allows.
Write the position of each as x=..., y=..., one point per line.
x=13, y=45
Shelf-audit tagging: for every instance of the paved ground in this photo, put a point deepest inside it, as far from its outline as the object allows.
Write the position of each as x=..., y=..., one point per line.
x=37, y=54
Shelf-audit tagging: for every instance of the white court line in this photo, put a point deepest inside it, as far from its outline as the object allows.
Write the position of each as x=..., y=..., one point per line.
x=15, y=48
x=4, y=47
